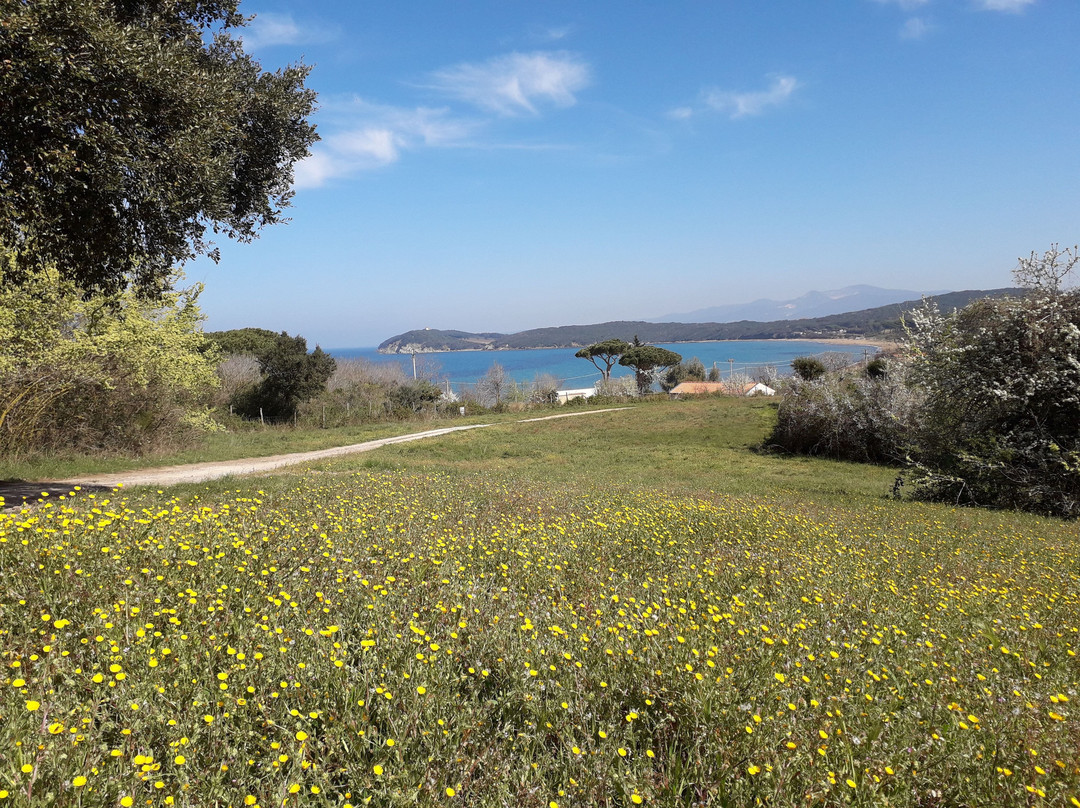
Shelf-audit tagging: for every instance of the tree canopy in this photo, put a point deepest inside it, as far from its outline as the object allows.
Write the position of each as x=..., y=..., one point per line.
x=608, y=352
x=646, y=360
x=128, y=128
x=290, y=376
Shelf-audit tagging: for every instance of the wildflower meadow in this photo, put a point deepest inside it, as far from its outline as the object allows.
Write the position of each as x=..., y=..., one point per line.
x=401, y=639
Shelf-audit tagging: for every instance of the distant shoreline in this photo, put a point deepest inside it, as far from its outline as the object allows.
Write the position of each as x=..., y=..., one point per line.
x=883, y=345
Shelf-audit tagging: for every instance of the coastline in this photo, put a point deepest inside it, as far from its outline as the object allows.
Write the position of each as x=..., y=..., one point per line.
x=884, y=345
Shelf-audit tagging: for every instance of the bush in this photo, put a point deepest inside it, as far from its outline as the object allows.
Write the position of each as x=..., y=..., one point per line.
x=1000, y=425
x=807, y=368
x=86, y=372
x=846, y=418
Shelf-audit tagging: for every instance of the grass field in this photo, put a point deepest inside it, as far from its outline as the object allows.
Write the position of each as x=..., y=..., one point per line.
x=625, y=608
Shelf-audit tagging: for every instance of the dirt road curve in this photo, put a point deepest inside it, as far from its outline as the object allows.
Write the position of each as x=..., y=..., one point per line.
x=15, y=493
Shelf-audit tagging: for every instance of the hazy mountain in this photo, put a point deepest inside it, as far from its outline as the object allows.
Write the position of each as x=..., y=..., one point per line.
x=812, y=304
x=878, y=321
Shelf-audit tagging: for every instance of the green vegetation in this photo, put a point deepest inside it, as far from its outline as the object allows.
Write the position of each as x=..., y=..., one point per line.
x=610, y=610
x=883, y=322
x=130, y=127
x=607, y=352
x=807, y=368
x=648, y=362
x=92, y=373
x=290, y=376
x=984, y=405
x=252, y=341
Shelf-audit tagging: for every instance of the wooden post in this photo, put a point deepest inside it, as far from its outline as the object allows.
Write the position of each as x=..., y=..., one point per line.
x=324, y=416
x=261, y=419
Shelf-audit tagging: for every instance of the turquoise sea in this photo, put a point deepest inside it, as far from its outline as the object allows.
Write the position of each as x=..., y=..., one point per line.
x=463, y=368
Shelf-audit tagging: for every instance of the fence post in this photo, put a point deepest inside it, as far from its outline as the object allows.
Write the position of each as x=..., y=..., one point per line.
x=261, y=419
x=324, y=416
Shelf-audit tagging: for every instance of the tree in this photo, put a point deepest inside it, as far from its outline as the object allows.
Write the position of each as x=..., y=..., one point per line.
x=647, y=361
x=494, y=386
x=608, y=352
x=1000, y=423
x=807, y=368
x=290, y=376
x=689, y=371
x=129, y=127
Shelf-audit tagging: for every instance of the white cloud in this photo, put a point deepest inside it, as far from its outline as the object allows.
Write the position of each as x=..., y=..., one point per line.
x=555, y=33
x=515, y=83
x=1012, y=6
x=369, y=136
x=681, y=113
x=315, y=169
x=742, y=105
x=269, y=29
x=915, y=28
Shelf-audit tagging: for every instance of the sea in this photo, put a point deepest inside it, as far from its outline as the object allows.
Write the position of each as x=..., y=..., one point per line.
x=462, y=369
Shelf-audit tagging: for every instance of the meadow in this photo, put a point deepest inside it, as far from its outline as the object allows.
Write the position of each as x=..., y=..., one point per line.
x=630, y=608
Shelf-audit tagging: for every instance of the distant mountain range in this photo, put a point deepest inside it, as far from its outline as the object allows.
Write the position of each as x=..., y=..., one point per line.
x=812, y=304
x=881, y=322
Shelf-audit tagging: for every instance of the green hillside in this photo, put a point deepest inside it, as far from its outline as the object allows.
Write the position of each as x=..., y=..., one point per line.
x=881, y=322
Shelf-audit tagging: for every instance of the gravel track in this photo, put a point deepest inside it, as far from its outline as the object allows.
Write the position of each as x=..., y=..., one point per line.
x=17, y=493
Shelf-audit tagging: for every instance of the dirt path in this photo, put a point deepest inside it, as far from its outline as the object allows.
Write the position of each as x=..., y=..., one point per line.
x=15, y=494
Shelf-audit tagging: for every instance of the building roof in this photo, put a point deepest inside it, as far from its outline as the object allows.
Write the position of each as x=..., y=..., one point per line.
x=699, y=388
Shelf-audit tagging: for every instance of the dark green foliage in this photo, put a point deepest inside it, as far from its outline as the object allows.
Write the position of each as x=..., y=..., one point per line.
x=807, y=368
x=416, y=396
x=608, y=352
x=254, y=341
x=128, y=127
x=647, y=361
x=689, y=371
x=290, y=376
x=877, y=368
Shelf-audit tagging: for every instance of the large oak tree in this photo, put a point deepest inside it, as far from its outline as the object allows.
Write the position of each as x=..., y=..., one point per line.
x=131, y=128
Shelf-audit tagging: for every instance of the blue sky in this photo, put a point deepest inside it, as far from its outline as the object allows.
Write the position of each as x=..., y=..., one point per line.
x=496, y=166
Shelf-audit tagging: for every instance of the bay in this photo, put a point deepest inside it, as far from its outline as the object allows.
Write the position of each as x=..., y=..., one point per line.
x=463, y=368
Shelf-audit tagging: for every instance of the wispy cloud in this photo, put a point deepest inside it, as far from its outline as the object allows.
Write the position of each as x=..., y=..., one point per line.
x=555, y=33
x=915, y=28
x=515, y=83
x=269, y=29
x=1011, y=6
x=746, y=104
x=371, y=136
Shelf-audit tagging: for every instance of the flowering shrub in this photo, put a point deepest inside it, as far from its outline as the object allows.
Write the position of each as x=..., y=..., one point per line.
x=1000, y=423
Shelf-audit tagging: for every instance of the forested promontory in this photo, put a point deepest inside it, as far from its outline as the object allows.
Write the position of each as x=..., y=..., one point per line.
x=882, y=322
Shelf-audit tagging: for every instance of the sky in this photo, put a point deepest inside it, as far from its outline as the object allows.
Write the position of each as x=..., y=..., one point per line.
x=498, y=166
